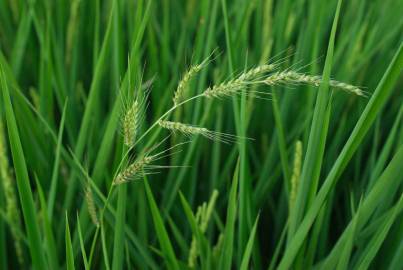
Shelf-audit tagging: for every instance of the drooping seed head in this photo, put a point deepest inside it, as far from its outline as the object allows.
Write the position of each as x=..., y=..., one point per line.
x=293, y=77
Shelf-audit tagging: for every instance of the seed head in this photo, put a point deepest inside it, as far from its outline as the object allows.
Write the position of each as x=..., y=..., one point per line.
x=189, y=130
x=237, y=85
x=296, y=172
x=130, y=124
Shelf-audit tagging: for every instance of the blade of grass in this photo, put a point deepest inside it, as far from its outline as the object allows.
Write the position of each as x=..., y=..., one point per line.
x=225, y=260
x=69, y=248
x=89, y=108
x=23, y=184
x=82, y=247
x=348, y=247
x=389, y=178
x=104, y=247
x=374, y=105
x=56, y=165
x=375, y=243
x=50, y=243
x=162, y=234
x=195, y=230
x=314, y=154
x=118, y=243
x=249, y=247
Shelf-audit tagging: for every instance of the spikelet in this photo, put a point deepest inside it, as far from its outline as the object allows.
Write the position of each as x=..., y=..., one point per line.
x=202, y=217
x=295, y=77
x=92, y=210
x=142, y=165
x=189, y=130
x=133, y=171
x=184, y=83
x=130, y=124
x=239, y=84
x=12, y=211
x=295, y=173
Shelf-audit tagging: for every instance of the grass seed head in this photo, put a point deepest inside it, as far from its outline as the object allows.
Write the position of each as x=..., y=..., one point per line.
x=293, y=77
x=296, y=172
x=92, y=210
x=130, y=124
x=189, y=130
x=240, y=83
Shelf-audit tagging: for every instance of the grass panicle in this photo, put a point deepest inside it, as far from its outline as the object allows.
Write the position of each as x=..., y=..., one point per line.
x=296, y=172
x=185, y=81
x=293, y=77
x=130, y=124
x=240, y=83
x=133, y=171
x=92, y=209
x=190, y=130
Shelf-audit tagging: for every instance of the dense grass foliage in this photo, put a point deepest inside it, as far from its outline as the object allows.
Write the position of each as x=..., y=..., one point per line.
x=201, y=134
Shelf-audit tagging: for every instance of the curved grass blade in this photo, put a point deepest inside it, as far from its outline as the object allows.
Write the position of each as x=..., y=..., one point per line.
x=69, y=247
x=162, y=234
x=377, y=101
x=249, y=246
x=375, y=243
x=225, y=261
x=23, y=184
x=314, y=154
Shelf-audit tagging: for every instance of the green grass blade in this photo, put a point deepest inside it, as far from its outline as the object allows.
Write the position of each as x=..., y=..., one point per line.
x=348, y=247
x=389, y=179
x=90, y=106
x=314, y=154
x=104, y=247
x=118, y=243
x=195, y=230
x=82, y=247
x=50, y=243
x=375, y=104
x=225, y=261
x=375, y=243
x=162, y=234
x=249, y=247
x=56, y=165
x=69, y=248
x=23, y=184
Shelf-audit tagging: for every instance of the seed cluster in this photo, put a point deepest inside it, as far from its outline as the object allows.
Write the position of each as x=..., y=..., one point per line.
x=296, y=172
x=184, y=83
x=295, y=77
x=130, y=124
x=235, y=86
x=189, y=130
x=183, y=128
x=133, y=170
x=92, y=210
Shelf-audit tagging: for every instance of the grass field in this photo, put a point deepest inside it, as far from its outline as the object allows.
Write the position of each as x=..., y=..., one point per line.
x=201, y=134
